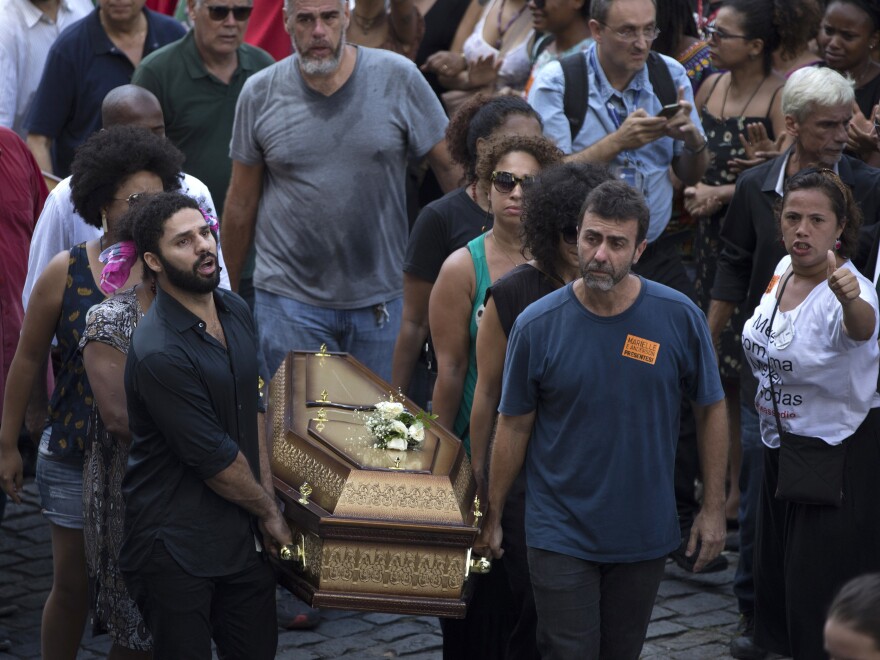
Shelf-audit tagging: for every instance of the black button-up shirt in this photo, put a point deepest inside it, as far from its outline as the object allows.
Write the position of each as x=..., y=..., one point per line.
x=192, y=405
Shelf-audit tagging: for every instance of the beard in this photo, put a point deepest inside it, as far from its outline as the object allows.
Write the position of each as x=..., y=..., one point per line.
x=318, y=66
x=192, y=281
x=591, y=281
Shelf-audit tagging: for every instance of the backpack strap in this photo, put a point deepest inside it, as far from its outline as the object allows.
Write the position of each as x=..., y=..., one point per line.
x=574, y=100
x=661, y=79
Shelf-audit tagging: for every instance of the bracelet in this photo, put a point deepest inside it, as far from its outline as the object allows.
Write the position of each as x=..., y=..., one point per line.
x=697, y=151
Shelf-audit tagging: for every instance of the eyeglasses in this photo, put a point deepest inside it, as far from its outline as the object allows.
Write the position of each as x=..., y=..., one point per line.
x=631, y=35
x=132, y=199
x=219, y=13
x=721, y=35
x=570, y=234
x=505, y=182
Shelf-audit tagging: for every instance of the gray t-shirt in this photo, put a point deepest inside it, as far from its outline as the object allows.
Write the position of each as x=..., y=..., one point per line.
x=332, y=225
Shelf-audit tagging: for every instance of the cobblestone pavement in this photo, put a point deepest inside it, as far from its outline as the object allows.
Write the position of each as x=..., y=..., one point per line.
x=694, y=616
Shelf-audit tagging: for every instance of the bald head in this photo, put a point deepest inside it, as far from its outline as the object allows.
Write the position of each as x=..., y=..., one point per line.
x=130, y=105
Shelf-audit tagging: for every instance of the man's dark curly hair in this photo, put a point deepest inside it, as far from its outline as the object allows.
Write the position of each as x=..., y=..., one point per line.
x=540, y=148
x=109, y=157
x=479, y=118
x=552, y=204
x=145, y=221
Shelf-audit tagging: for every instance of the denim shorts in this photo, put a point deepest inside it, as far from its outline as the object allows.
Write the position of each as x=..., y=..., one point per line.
x=60, y=484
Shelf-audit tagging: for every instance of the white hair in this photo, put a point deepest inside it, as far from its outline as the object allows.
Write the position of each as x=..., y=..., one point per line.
x=809, y=87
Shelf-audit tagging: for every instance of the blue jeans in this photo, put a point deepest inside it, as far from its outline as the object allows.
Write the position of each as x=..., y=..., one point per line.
x=751, y=475
x=367, y=333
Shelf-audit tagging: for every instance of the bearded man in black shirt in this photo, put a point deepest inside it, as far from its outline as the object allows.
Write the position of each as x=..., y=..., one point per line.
x=198, y=489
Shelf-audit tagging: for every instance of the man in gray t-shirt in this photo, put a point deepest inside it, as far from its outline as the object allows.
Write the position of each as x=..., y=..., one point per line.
x=320, y=146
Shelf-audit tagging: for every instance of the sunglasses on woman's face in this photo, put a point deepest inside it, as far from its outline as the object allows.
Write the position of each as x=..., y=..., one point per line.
x=219, y=13
x=570, y=234
x=505, y=182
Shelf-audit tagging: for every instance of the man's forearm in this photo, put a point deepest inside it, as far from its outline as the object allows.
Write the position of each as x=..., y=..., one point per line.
x=719, y=314
x=691, y=164
x=265, y=455
x=713, y=443
x=41, y=148
x=237, y=236
x=236, y=484
x=603, y=151
x=507, y=457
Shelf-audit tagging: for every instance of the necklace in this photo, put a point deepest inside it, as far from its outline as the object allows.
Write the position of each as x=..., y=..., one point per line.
x=504, y=252
x=503, y=30
x=858, y=78
x=743, y=111
x=367, y=24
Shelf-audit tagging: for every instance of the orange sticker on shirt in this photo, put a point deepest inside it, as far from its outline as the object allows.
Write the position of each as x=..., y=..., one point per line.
x=640, y=349
x=773, y=281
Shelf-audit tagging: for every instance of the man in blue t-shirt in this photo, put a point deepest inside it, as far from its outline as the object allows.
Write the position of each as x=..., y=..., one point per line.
x=593, y=380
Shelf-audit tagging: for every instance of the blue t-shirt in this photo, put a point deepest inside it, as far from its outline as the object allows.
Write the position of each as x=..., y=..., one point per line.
x=83, y=65
x=607, y=393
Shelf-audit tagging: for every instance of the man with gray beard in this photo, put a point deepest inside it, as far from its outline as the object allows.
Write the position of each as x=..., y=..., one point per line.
x=319, y=147
x=593, y=379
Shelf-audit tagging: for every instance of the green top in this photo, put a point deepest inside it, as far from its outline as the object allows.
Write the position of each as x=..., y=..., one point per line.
x=199, y=109
x=462, y=428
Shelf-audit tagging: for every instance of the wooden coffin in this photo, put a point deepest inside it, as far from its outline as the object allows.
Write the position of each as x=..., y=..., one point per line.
x=378, y=530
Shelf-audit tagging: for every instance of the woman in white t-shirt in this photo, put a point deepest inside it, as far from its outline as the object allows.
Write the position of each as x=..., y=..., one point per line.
x=820, y=349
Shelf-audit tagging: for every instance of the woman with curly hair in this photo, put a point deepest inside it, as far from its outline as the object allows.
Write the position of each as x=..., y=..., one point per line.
x=108, y=170
x=506, y=166
x=550, y=217
x=446, y=225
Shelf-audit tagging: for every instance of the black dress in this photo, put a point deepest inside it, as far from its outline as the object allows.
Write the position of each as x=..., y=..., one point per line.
x=722, y=135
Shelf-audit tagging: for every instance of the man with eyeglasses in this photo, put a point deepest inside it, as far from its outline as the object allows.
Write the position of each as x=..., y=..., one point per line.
x=198, y=80
x=628, y=127
x=320, y=148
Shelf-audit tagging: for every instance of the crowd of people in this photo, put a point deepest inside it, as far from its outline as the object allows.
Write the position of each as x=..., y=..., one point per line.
x=625, y=250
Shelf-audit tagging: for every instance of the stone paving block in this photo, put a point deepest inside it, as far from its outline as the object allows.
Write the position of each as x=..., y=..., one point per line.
x=31, y=600
x=8, y=559
x=27, y=650
x=35, y=551
x=298, y=638
x=660, y=612
x=296, y=654
x=396, y=631
x=419, y=644
x=99, y=645
x=688, y=640
x=345, y=627
x=37, y=534
x=333, y=615
x=697, y=603
x=334, y=648
x=37, y=568
x=675, y=587
x=663, y=628
x=711, y=619
x=381, y=618
x=431, y=620
x=701, y=653
x=18, y=523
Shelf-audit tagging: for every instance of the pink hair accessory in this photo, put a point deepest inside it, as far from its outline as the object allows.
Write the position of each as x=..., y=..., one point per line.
x=118, y=260
x=212, y=222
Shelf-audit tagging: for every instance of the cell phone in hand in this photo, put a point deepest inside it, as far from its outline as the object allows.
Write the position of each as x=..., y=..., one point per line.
x=669, y=111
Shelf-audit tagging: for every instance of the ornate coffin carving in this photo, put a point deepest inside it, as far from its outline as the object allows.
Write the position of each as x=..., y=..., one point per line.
x=378, y=530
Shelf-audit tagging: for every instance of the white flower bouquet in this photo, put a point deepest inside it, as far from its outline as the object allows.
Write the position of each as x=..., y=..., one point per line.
x=394, y=427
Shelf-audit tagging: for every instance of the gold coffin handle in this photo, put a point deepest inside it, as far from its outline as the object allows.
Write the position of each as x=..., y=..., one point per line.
x=295, y=553
x=480, y=565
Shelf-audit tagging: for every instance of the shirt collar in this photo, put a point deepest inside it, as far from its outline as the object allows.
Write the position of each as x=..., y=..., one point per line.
x=780, y=177
x=179, y=316
x=101, y=42
x=195, y=67
x=30, y=13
